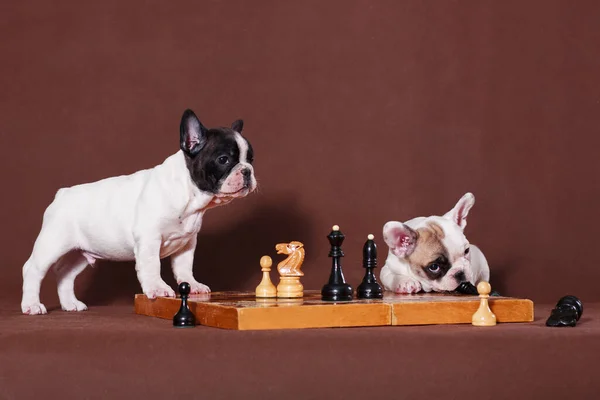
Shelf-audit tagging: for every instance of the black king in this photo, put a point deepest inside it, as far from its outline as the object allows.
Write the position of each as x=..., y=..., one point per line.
x=336, y=289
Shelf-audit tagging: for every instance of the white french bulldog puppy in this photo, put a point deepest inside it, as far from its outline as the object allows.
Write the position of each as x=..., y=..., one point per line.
x=146, y=216
x=432, y=253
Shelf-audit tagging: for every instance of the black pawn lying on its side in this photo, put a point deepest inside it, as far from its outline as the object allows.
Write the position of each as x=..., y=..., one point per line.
x=336, y=289
x=567, y=312
x=184, y=317
x=369, y=288
x=469, y=288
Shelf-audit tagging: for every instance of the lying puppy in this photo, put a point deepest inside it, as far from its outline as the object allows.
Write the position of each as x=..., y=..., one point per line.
x=145, y=216
x=432, y=253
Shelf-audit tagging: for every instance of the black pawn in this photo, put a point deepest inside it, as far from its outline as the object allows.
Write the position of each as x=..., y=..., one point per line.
x=469, y=288
x=369, y=288
x=184, y=317
x=567, y=312
x=336, y=289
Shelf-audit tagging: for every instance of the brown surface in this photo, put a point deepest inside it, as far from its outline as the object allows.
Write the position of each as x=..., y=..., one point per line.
x=243, y=311
x=109, y=352
x=359, y=112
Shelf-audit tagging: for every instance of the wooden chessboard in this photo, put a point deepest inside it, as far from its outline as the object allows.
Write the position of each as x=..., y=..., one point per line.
x=243, y=311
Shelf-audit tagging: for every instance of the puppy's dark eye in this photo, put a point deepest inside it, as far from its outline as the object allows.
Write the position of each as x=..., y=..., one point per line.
x=434, y=268
x=223, y=160
x=466, y=251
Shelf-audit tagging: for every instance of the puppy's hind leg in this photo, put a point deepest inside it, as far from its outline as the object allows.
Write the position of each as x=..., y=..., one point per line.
x=45, y=253
x=50, y=245
x=66, y=270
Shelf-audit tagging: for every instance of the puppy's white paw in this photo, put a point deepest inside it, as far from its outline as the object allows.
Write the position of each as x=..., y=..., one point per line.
x=159, y=289
x=197, y=288
x=33, y=309
x=407, y=286
x=73, y=305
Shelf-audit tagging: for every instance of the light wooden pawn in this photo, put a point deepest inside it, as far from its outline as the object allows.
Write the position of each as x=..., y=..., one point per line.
x=266, y=288
x=484, y=316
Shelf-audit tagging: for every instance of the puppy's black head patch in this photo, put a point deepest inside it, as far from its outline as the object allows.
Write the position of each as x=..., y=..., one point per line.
x=210, y=154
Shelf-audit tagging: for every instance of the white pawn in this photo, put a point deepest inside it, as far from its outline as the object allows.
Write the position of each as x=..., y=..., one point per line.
x=484, y=316
x=266, y=287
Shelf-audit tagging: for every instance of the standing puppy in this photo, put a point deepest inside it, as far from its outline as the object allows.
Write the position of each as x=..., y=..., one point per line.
x=145, y=216
x=432, y=253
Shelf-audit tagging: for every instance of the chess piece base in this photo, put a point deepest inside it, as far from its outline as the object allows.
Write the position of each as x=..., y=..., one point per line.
x=266, y=293
x=484, y=316
x=184, y=325
x=290, y=287
x=184, y=319
x=336, y=292
x=369, y=291
x=266, y=289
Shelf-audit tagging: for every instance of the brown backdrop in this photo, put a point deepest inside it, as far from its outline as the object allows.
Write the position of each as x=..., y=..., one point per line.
x=359, y=112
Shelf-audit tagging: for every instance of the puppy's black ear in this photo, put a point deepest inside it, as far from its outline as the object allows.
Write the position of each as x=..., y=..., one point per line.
x=238, y=126
x=192, y=134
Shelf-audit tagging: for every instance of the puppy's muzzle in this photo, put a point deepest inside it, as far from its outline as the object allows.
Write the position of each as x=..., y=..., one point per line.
x=460, y=277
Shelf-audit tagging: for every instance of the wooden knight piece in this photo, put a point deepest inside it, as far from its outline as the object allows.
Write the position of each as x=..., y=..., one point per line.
x=289, y=270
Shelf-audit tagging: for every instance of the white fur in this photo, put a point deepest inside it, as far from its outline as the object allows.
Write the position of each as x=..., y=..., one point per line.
x=145, y=216
x=397, y=274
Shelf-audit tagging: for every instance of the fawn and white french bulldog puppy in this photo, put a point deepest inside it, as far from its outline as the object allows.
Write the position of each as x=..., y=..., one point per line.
x=146, y=216
x=432, y=253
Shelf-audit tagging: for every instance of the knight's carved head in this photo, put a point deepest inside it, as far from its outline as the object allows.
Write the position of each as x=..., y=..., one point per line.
x=288, y=248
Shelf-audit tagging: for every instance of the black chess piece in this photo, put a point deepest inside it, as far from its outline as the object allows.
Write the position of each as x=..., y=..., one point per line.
x=567, y=312
x=369, y=287
x=469, y=288
x=184, y=317
x=336, y=289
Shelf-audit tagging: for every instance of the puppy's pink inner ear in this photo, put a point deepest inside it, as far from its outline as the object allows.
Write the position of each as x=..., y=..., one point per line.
x=404, y=242
x=192, y=141
x=460, y=214
x=192, y=138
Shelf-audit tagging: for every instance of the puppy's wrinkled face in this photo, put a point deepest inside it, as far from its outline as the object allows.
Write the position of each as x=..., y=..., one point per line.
x=436, y=248
x=219, y=160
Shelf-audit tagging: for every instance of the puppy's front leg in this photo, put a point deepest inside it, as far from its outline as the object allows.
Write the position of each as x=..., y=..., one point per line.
x=182, y=264
x=147, y=266
x=398, y=283
x=406, y=285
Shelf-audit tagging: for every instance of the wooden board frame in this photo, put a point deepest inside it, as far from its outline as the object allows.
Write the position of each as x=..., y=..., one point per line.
x=242, y=311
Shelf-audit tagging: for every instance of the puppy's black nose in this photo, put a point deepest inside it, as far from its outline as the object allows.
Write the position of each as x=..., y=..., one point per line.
x=460, y=276
x=246, y=173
